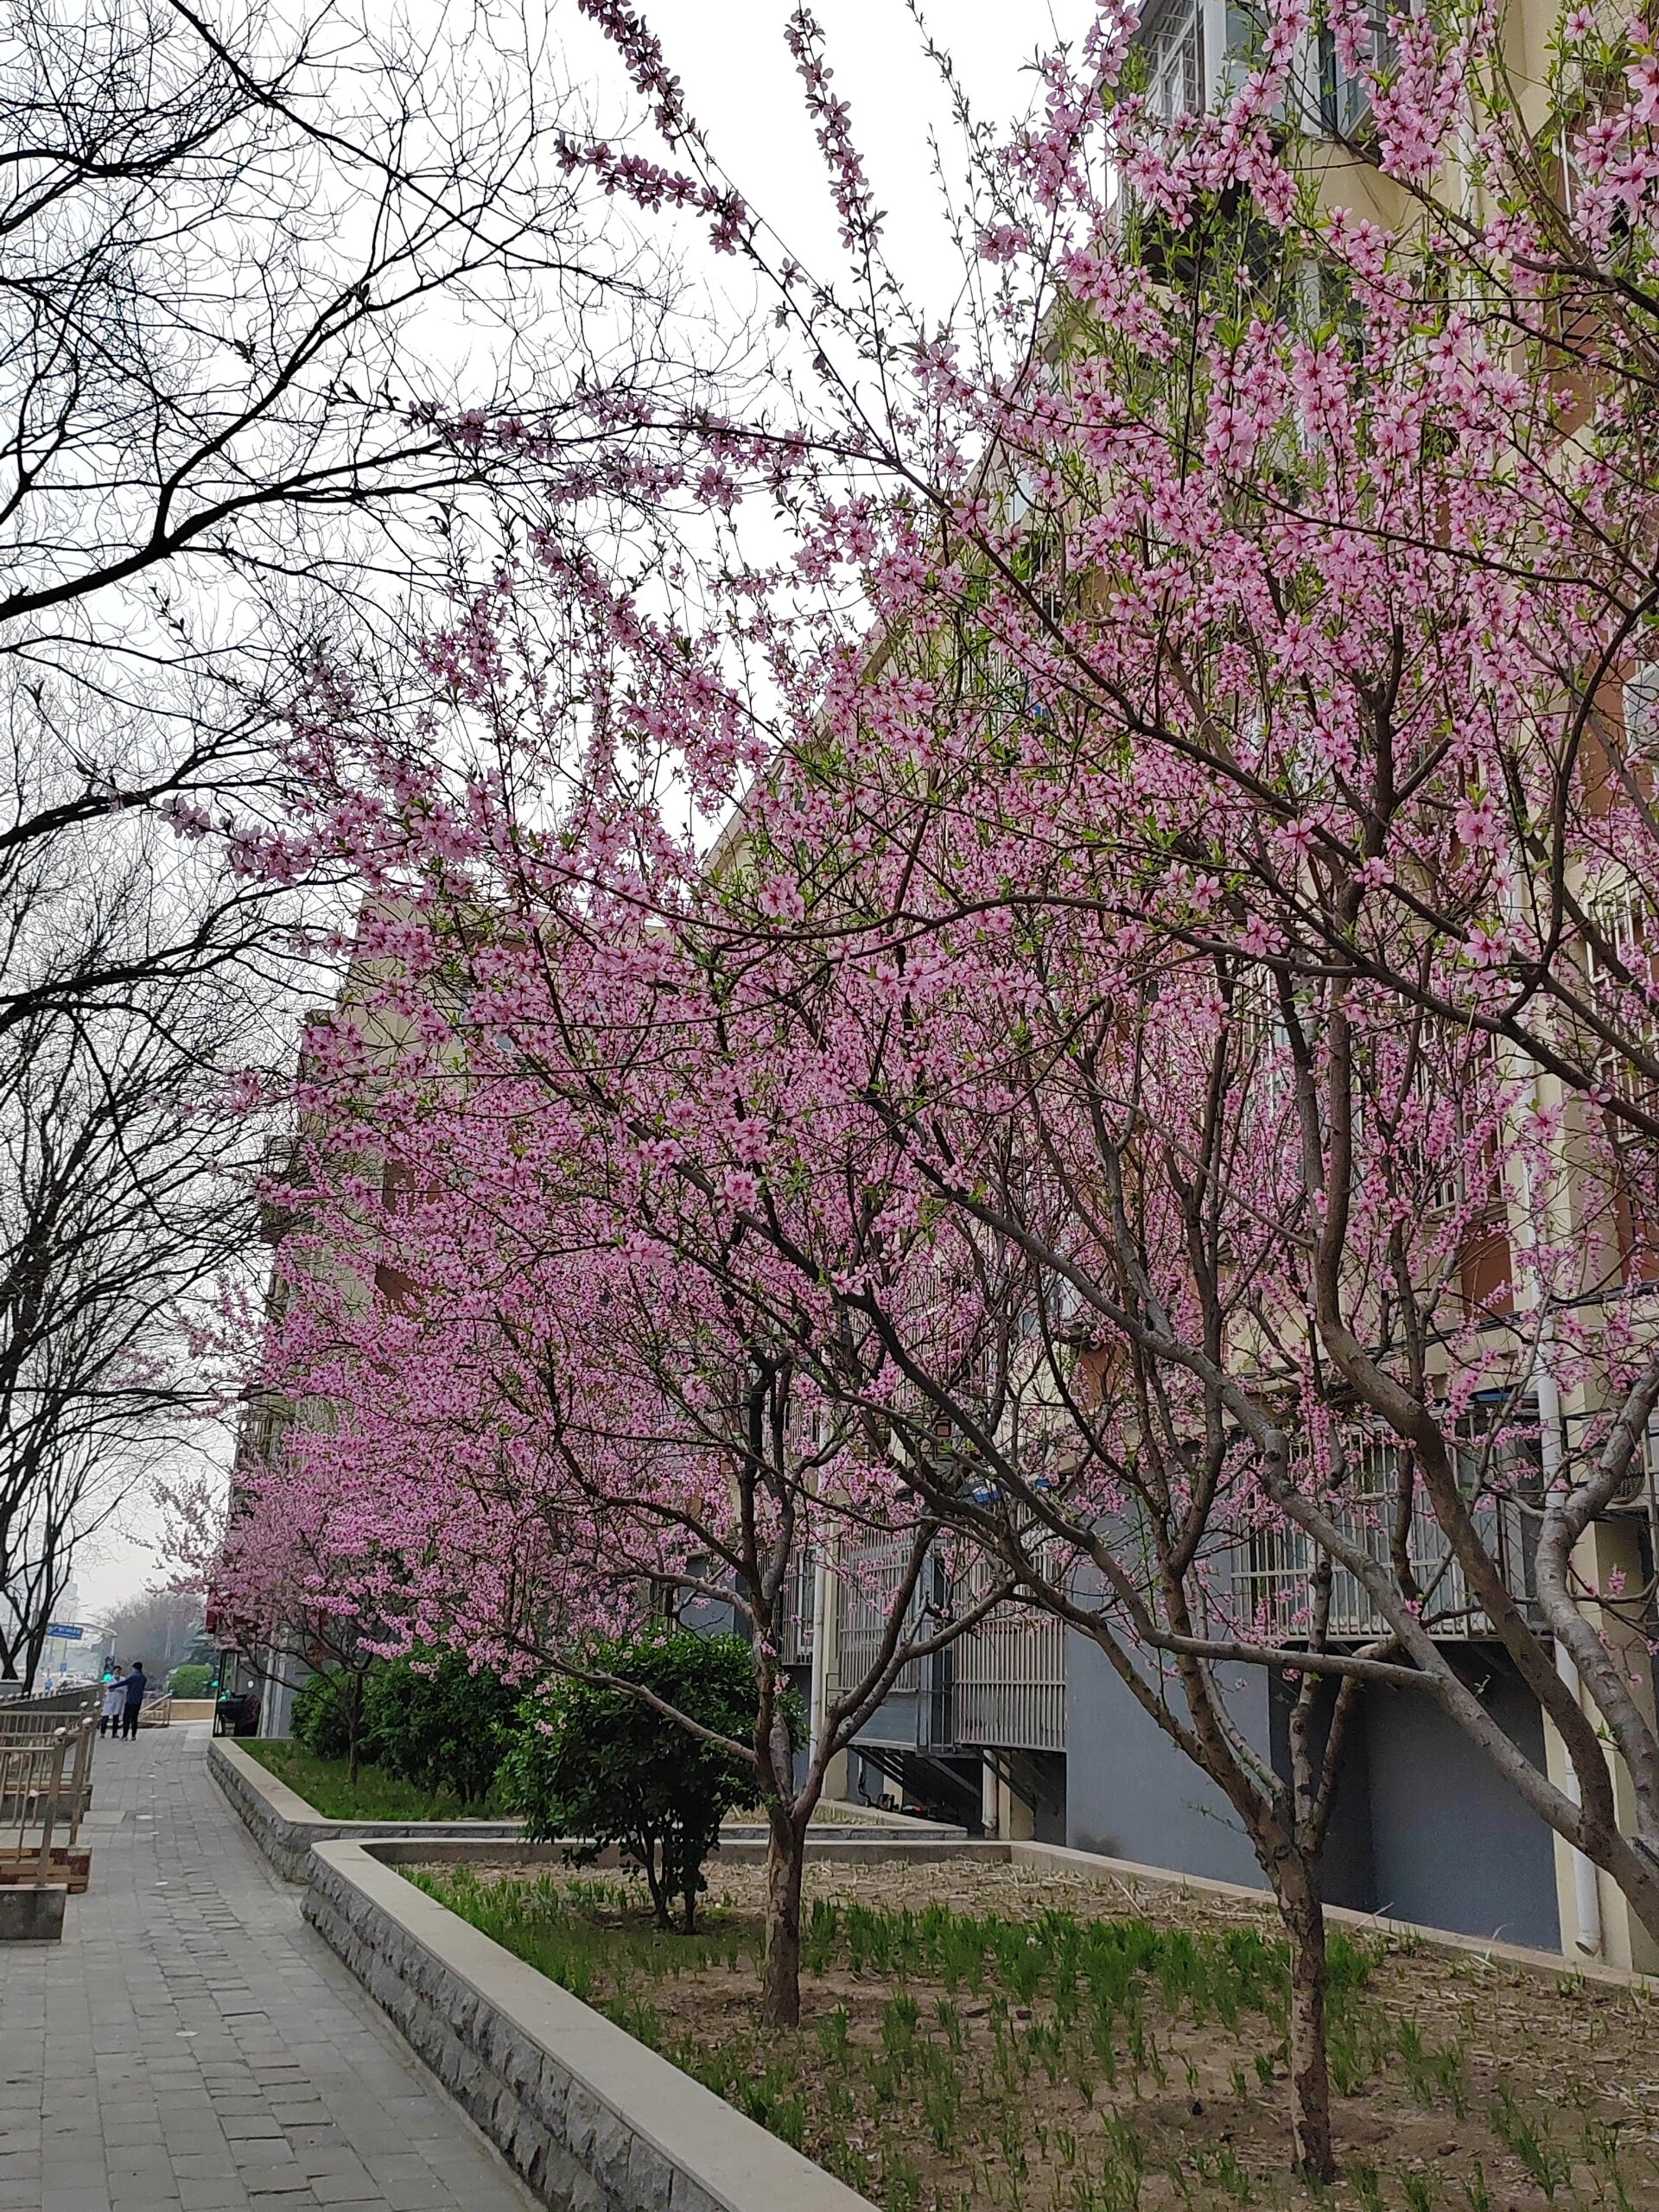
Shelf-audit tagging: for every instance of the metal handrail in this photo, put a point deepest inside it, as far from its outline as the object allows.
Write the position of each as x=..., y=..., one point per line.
x=31, y=1719
x=45, y=1789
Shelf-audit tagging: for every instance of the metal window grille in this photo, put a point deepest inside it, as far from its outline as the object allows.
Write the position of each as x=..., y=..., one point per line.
x=873, y=1571
x=1272, y=1572
x=795, y=1640
x=1010, y=1681
x=1345, y=101
x=1175, y=64
x=1641, y=708
x=1632, y=942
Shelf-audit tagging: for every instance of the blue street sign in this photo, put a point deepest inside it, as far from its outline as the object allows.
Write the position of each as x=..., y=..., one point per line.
x=68, y=1632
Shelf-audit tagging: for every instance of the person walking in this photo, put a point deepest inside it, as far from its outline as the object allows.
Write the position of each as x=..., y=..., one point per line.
x=109, y=1719
x=135, y=1684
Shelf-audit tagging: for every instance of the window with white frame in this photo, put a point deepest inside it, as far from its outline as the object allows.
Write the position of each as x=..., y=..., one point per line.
x=1175, y=62
x=1642, y=709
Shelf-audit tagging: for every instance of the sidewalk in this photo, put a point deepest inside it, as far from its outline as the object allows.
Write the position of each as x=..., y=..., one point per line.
x=192, y=2046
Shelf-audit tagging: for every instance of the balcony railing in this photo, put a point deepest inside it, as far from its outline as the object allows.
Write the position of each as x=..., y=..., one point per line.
x=1010, y=1681
x=871, y=1575
x=1272, y=1572
x=1002, y=1685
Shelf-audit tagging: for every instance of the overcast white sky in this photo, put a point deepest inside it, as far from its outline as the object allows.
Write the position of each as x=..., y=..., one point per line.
x=740, y=82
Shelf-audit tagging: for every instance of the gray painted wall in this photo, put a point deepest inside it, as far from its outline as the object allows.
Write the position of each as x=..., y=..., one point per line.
x=1424, y=1827
x=1131, y=1794
x=1454, y=1846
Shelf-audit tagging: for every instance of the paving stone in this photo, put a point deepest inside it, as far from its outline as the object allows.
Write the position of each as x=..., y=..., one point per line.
x=287, y=2071
x=212, y=2196
x=343, y=2188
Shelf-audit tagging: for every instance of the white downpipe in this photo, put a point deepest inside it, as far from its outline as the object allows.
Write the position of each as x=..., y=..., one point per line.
x=1587, y=1894
x=818, y=1693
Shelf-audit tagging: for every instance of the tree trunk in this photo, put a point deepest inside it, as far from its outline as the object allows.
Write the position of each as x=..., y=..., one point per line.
x=656, y=1873
x=1309, y=2072
x=780, y=1980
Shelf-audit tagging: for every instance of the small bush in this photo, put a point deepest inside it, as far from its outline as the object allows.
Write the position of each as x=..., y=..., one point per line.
x=438, y=1724
x=323, y=1712
x=600, y=1764
x=193, y=1679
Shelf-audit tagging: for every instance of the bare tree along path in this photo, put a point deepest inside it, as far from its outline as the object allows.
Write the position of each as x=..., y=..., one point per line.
x=192, y=2044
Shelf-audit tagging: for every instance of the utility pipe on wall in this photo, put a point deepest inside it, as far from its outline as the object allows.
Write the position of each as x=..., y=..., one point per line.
x=1586, y=1893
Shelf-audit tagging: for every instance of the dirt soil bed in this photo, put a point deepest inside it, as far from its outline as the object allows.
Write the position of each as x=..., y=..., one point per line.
x=984, y=2039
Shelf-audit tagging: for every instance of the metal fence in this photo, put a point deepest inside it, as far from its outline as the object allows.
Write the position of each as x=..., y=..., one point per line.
x=78, y=1698
x=871, y=1573
x=1272, y=1572
x=1001, y=1684
x=1010, y=1681
x=46, y=1786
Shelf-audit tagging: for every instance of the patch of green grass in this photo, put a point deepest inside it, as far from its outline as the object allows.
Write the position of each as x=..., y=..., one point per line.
x=372, y=1796
x=575, y=1932
x=917, y=2089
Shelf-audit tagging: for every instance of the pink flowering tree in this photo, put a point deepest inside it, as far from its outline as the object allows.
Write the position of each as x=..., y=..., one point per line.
x=281, y=1584
x=555, y=1385
x=1191, y=921
x=1263, y=574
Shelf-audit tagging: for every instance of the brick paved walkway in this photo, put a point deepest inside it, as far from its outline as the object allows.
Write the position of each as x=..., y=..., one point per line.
x=192, y=2044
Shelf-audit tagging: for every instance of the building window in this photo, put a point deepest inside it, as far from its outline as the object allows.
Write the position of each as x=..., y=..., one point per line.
x=1175, y=63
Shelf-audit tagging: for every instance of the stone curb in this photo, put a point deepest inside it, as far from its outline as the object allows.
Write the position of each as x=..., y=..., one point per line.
x=591, y=2119
x=286, y=1828
x=32, y=1912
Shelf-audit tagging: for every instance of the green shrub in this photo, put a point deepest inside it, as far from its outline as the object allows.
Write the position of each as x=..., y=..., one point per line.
x=325, y=1708
x=437, y=1724
x=193, y=1679
x=599, y=1762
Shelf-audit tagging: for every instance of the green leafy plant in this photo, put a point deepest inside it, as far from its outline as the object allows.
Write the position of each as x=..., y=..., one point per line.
x=832, y=2036
x=193, y=1679
x=593, y=1760
x=1234, y=2176
x=437, y=1723
x=941, y=2103
x=1601, y=2155
x=901, y=2182
x=1432, y=2072
x=1367, y=2188
x=329, y=1718
x=1530, y=2143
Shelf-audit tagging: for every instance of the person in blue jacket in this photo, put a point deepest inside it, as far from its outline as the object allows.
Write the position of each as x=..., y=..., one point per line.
x=135, y=1684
